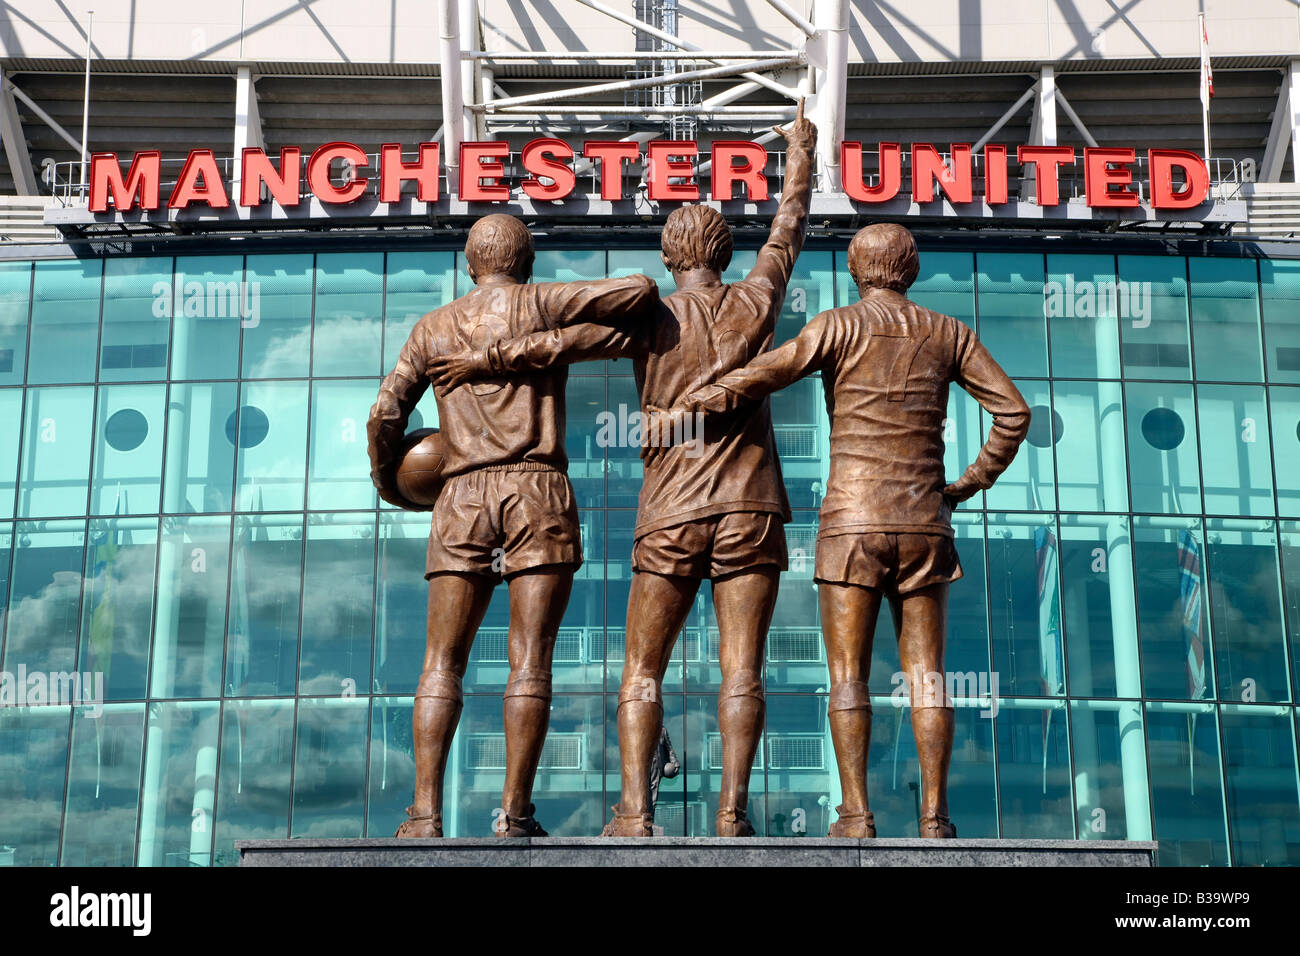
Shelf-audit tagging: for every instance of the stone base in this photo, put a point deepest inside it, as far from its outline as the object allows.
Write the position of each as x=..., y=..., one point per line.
x=694, y=851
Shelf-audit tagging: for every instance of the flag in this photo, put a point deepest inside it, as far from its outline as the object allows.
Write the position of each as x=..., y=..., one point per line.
x=240, y=639
x=102, y=605
x=103, y=617
x=1050, y=655
x=1049, y=612
x=1207, y=74
x=1189, y=599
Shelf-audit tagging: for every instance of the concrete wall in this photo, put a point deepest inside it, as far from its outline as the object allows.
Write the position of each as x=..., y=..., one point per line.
x=886, y=31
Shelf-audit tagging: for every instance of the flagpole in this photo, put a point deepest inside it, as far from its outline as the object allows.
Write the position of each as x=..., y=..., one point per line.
x=1205, y=88
x=85, y=102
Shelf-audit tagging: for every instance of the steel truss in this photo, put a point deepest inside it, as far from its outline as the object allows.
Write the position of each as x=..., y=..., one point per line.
x=473, y=102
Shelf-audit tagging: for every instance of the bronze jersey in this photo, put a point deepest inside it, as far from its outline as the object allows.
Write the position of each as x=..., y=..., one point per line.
x=886, y=365
x=694, y=336
x=502, y=420
x=699, y=335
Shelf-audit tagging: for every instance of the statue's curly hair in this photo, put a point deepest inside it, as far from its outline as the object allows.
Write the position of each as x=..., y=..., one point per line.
x=500, y=245
x=696, y=237
x=884, y=256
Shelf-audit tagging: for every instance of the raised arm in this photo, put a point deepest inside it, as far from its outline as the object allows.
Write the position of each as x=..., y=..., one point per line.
x=583, y=342
x=777, y=257
x=398, y=395
x=989, y=385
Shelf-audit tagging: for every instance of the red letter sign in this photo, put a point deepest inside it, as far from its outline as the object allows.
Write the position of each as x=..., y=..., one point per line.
x=473, y=171
x=535, y=159
x=891, y=172
x=612, y=156
x=141, y=181
x=661, y=167
x=750, y=171
x=1099, y=175
x=928, y=166
x=200, y=167
x=257, y=169
x=393, y=172
x=1196, y=188
x=318, y=172
x=995, y=175
x=1046, y=159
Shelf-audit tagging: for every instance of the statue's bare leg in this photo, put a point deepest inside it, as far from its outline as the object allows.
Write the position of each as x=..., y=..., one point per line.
x=744, y=604
x=657, y=607
x=922, y=622
x=849, y=613
x=538, y=598
x=457, y=603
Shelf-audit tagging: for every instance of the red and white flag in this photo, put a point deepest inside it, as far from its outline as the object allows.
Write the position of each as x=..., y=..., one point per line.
x=1207, y=75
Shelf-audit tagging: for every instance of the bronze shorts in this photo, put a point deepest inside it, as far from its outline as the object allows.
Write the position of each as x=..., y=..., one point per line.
x=713, y=547
x=503, y=520
x=900, y=562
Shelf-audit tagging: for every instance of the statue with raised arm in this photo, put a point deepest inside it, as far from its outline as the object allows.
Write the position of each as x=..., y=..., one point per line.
x=506, y=511
x=885, y=529
x=713, y=507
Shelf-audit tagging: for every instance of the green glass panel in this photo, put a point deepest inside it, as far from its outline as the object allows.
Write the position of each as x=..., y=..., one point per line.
x=138, y=299
x=65, y=321
x=348, y=333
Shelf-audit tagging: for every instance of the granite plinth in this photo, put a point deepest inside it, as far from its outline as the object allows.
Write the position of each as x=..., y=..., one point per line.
x=694, y=851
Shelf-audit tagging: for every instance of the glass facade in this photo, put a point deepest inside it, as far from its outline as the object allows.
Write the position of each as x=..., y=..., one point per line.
x=185, y=511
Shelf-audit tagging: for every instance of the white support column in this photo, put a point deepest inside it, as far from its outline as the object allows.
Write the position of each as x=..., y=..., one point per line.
x=487, y=92
x=453, y=103
x=467, y=14
x=1279, y=133
x=1042, y=125
x=832, y=20
x=248, y=122
x=1045, y=110
x=15, y=144
x=1294, y=110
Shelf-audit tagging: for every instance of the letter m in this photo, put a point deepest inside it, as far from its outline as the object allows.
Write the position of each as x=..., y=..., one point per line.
x=115, y=906
x=140, y=186
x=964, y=685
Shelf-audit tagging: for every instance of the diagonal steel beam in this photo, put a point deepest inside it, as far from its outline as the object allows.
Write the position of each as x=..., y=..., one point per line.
x=1005, y=118
x=15, y=145
x=1062, y=102
x=679, y=42
x=793, y=15
x=43, y=116
x=616, y=86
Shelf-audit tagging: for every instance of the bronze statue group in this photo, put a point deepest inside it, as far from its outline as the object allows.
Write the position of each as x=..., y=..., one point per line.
x=497, y=359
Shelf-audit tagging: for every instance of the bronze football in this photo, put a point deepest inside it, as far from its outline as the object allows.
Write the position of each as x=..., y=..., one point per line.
x=419, y=474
